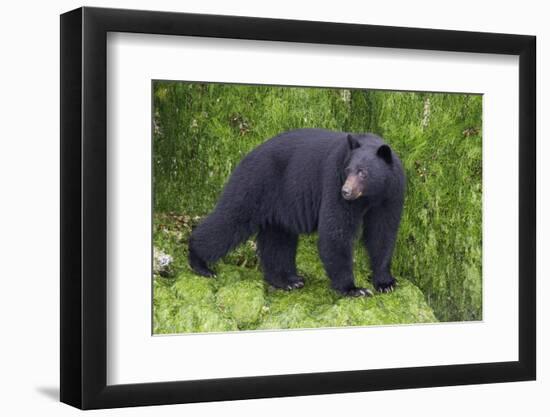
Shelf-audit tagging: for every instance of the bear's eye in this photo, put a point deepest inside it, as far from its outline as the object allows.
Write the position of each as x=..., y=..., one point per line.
x=362, y=173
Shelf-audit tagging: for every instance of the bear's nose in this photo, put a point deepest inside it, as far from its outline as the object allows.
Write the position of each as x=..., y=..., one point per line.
x=346, y=192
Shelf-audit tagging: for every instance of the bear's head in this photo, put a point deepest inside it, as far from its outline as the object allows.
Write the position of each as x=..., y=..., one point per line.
x=367, y=167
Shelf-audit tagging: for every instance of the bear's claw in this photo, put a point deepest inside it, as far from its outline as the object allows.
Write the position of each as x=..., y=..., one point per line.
x=386, y=287
x=359, y=292
x=290, y=283
x=294, y=285
x=203, y=271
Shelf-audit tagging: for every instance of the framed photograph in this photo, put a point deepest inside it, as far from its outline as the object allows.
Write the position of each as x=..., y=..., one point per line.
x=257, y=208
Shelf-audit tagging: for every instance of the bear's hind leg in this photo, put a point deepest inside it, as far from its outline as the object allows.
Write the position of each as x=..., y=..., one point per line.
x=277, y=251
x=213, y=238
x=198, y=265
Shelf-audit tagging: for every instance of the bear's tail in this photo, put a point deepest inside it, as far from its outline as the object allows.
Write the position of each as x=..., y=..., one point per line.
x=214, y=238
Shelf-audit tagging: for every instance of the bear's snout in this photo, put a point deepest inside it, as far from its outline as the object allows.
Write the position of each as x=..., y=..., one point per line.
x=346, y=192
x=352, y=188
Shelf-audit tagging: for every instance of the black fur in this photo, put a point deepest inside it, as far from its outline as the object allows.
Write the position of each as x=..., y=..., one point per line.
x=291, y=185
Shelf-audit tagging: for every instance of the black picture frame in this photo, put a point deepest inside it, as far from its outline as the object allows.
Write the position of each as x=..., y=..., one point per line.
x=84, y=207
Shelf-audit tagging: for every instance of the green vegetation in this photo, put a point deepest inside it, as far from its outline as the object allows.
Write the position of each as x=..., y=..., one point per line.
x=201, y=132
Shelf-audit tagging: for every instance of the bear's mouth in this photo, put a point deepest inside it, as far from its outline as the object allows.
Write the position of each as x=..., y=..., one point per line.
x=352, y=196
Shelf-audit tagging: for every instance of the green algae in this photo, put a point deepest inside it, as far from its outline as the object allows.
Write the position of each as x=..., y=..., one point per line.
x=201, y=131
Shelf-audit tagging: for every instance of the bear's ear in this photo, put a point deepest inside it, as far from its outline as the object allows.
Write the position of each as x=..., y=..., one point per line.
x=353, y=142
x=384, y=152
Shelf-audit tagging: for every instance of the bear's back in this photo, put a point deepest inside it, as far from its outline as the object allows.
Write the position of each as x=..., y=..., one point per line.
x=289, y=169
x=299, y=148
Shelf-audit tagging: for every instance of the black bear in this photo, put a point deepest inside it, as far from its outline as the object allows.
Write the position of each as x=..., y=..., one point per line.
x=303, y=181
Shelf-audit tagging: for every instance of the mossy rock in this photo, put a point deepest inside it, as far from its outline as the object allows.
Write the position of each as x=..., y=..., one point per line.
x=196, y=318
x=193, y=289
x=187, y=306
x=405, y=305
x=242, y=301
x=238, y=299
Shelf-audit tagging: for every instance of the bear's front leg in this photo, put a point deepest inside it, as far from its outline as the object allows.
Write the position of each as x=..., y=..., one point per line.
x=337, y=256
x=380, y=231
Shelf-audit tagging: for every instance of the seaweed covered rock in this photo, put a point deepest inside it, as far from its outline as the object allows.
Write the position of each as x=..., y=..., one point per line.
x=238, y=299
x=241, y=301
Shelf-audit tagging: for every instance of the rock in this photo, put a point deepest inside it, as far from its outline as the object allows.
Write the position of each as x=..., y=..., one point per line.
x=238, y=299
x=162, y=263
x=242, y=301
